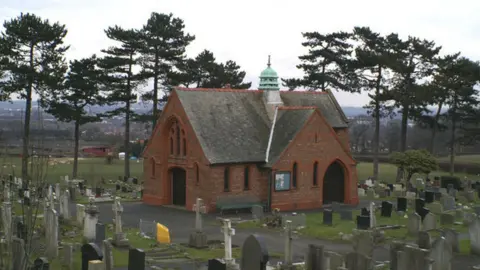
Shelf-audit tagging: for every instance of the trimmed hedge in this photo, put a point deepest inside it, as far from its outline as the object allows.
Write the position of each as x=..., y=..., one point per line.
x=460, y=167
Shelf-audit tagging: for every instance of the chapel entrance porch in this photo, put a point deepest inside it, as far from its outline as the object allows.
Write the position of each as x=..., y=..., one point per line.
x=178, y=178
x=334, y=183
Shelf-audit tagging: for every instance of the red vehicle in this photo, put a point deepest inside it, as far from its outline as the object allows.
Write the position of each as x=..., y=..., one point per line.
x=96, y=151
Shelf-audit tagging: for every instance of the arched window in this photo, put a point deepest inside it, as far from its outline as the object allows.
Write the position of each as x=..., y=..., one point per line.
x=315, y=173
x=152, y=166
x=246, y=179
x=197, y=173
x=178, y=138
x=226, y=179
x=294, y=175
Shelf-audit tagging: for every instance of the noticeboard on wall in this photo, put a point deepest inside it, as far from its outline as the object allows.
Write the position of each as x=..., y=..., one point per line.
x=282, y=181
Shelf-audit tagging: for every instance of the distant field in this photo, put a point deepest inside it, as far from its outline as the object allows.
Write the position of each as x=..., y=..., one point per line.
x=90, y=169
x=466, y=158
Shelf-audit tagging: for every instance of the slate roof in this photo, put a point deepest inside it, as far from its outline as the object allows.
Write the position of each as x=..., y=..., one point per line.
x=289, y=123
x=233, y=126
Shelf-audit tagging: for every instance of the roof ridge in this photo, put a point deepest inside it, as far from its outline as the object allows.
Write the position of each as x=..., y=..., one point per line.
x=314, y=92
x=218, y=90
x=297, y=108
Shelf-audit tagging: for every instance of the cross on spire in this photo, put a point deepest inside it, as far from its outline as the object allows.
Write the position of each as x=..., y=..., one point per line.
x=269, y=64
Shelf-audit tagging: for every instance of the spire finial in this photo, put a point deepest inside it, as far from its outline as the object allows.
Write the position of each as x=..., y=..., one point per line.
x=268, y=64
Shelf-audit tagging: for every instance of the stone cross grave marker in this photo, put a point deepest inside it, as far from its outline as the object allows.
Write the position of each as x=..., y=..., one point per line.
x=199, y=208
x=228, y=232
x=288, y=259
x=119, y=237
x=254, y=253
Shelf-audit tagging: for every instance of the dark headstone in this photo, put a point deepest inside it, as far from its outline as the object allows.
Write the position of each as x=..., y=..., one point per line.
x=118, y=187
x=136, y=259
x=390, y=186
x=423, y=212
x=20, y=193
x=365, y=212
x=437, y=196
x=429, y=196
x=41, y=264
x=363, y=222
x=81, y=186
x=402, y=204
x=387, y=208
x=315, y=257
x=125, y=179
x=346, y=215
x=419, y=204
x=40, y=192
x=90, y=252
x=327, y=217
x=216, y=265
x=135, y=181
x=98, y=192
x=100, y=233
x=124, y=189
x=254, y=253
x=421, y=194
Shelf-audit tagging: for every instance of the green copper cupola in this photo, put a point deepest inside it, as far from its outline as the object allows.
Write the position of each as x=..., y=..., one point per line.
x=269, y=78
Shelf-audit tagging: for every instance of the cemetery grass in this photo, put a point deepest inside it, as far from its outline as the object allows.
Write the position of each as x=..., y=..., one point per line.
x=463, y=158
x=89, y=169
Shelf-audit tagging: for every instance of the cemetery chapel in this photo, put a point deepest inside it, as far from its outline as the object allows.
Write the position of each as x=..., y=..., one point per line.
x=285, y=149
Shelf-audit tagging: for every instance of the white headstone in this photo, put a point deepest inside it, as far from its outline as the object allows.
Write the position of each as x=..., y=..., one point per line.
x=228, y=232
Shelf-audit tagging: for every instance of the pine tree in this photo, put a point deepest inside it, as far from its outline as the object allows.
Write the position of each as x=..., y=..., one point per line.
x=119, y=79
x=205, y=72
x=413, y=61
x=81, y=90
x=325, y=66
x=164, y=47
x=372, y=73
x=33, y=62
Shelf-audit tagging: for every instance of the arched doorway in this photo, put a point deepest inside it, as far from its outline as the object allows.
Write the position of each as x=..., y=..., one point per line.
x=334, y=184
x=179, y=186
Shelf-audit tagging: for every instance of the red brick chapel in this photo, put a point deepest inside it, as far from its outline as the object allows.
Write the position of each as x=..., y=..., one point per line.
x=288, y=149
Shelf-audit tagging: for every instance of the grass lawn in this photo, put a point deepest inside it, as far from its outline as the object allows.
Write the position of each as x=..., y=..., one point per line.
x=89, y=169
x=463, y=158
x=388, y=172
x=316, y=229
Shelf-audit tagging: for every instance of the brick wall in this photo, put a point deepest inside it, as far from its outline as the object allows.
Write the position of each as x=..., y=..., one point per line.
x=316, y=142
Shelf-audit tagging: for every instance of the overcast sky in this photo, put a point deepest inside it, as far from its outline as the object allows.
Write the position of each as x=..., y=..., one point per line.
x=248, y=31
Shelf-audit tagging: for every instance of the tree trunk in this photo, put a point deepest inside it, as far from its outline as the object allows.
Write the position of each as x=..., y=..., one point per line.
x=127, y=120
x=26, y=123
x=75, y=151
x=403, y=136
x=323, y=81
x=452, y=140
x=155, y=92
x=376, y=135
x=435, y=128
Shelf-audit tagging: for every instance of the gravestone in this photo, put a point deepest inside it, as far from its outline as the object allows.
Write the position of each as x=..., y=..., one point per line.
x=423, y=212
x=90, y=221
x=41, y=264
x=66, y=204
x=429, y=196
x=107, y=251
x=51, y=233
x=442, y=254
x=90, y=252
x=327, y=217
x=402, y=204
x=7, y=221
x=446, y=219
x=315, y=257
x=216, y=265
x=363, y=242
x=358, y=261
x=254, y=253
x=452, y=239
x=346, y=215
x=448, y=203
x=395, y=248
x=228, y=232
x=18, y=253
x=100, y=233
x=80, y=213
x=424, y=240
x=365, y=212
x=363, y=222
x=419, y=204
x=414, y=223
x=198, y=238
x=435, y=207
x=387, y=208
x=257, y=212
x=429, y=222
x=22, y=230
x=136, y=259
x=474, y=233
x=119, y=239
